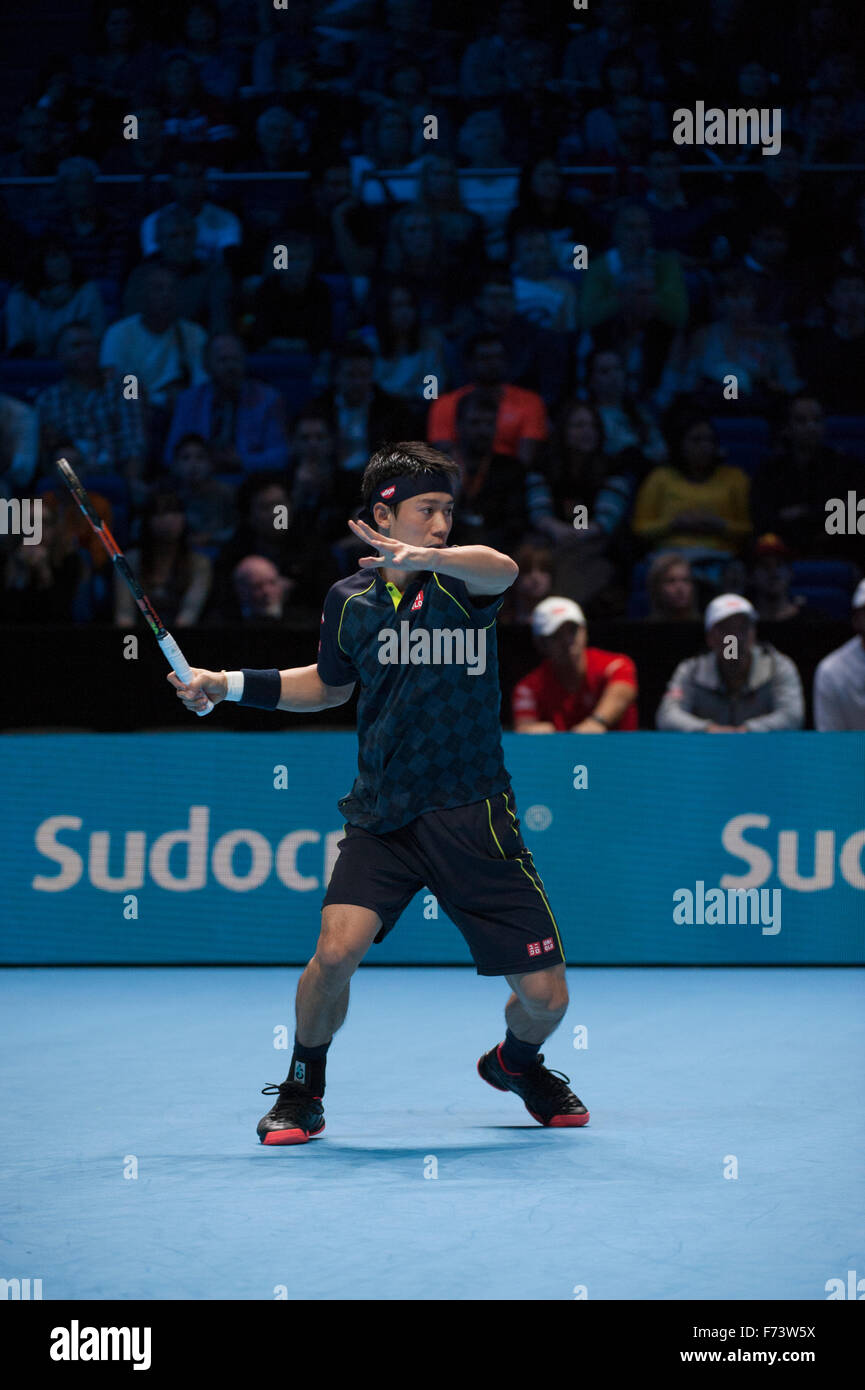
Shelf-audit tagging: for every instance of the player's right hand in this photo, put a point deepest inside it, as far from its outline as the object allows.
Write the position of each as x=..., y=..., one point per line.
x=204, y=686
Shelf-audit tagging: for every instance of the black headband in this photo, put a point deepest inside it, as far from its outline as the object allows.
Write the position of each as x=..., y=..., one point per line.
x=396, y=490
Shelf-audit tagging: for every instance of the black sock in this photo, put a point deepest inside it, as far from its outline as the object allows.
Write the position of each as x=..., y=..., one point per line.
x=517, y=1055
x=307, y=1066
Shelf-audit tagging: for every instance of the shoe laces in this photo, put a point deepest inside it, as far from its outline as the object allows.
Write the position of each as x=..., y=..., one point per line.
x=547, y=1079
x=289, y=1092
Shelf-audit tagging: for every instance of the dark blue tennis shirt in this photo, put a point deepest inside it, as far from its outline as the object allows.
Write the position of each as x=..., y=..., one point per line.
x=428, y=724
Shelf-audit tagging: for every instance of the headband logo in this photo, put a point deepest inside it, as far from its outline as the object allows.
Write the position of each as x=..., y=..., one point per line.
x=388, y=491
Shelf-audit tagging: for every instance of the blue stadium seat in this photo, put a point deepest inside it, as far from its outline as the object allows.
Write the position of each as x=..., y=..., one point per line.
x=744, y=439
x=834, y=602
x=825, y=574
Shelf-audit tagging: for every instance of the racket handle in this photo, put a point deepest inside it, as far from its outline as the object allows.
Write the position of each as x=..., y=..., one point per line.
x=178, y=663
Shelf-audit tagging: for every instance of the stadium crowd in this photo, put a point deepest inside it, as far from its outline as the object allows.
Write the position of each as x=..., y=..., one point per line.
x=345, y=222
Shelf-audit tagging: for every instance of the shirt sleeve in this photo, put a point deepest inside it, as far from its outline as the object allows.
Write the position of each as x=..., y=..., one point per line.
x=620, y=668
x=673, y=713
x=789, y=711
x=534, y=422
x=335, y=666
x=524, y=702
x=827, y=715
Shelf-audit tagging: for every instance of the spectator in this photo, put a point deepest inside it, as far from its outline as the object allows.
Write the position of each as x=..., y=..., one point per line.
x=534, y=583
x=459, y=233
x=832, y=358
x=43, y=583
x=89, y=410
x=36, y=155
x=791, y=487
x=672, y=591
x=147, y=154
x=535, y=357
x=360, y=414
x=839, y=681
x=216, y=227
x=576, y=689
x=632, y=250
x=291, y=309
x=536, y=113
x=208, y=503
x=491, y=66
x=218, y=67
x=19, y=445
x=482, y=143
x=242, y=420
x=407, y=354
x=543, y=202
x=677, y=223
x=522, y=420
x=259, y=592
x=51, y=294
x=391, y=150
x=176, y=578
x=586, y=52
x=638, y=338
x=319, y=507
x=580, y=502
x=270, y=530
x=779, y=299
x=124, y=64
x=697, y=504
x=191, y=117
x=542, y=294
x=769, y=582
x=345, y=231
x=204, y=288
x=162, y=350
x=627, y=424
x=738, y=686
x=621, y=78
x=492, y=503
x=414, y=253
x=99, y=238
x=786, y=196
x=736, y=345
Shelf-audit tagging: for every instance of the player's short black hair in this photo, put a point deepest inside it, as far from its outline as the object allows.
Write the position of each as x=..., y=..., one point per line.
x=408, y=458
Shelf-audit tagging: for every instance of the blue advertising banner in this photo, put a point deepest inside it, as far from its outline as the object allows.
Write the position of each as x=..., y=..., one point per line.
x=652, y=848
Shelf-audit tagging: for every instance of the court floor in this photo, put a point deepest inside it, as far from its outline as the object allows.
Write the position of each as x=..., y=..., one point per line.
x=428, y=1184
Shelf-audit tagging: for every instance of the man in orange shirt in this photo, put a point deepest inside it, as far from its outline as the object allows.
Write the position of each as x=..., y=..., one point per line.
x=576, y=689
x=521, y=423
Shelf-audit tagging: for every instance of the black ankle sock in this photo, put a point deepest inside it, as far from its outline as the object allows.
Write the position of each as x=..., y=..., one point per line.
x=517, y=1055
x=307, y=1066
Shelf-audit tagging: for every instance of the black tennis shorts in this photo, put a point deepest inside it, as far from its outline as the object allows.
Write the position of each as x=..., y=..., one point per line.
x=473, y=859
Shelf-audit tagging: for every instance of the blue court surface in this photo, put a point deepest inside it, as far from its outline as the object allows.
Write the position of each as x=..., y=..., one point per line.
x=688, y=1073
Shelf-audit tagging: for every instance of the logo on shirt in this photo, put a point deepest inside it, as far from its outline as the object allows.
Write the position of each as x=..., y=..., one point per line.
x=418, y=603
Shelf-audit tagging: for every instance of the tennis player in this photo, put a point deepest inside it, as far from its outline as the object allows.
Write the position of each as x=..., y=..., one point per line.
x=432, y=805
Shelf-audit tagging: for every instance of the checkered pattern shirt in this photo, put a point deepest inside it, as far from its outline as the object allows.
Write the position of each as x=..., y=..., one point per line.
x=429, y=735
x=108, y=428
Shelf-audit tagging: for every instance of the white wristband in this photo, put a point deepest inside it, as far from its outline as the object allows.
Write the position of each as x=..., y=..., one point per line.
x=235, y=685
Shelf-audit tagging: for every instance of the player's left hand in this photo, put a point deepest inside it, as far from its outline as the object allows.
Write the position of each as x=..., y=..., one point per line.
x=396, y=555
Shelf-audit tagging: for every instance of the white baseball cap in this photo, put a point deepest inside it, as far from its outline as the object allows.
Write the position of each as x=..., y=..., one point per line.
x=725, y=605
x=858, y=600
x=549, y=615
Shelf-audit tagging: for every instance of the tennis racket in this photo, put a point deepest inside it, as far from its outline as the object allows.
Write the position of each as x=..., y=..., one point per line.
x=170, y=650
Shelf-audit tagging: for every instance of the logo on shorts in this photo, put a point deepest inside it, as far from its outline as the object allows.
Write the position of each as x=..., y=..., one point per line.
x=418, y=603
x=300, y=1071
x=534, y=948
x=548, y=943
x=388, y=491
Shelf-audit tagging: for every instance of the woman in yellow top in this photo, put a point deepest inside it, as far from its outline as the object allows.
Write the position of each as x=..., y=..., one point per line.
x=697, y=504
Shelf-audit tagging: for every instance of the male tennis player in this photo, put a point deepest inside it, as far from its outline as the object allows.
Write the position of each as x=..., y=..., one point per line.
x=432, y=803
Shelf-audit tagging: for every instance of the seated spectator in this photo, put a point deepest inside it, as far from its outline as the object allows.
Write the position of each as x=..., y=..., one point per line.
x=491, y=66
x=406, y=88
x=696, y=505
x=580, y=502
x=345, y=231
x=459, y=233
x=260, y=593
x=784, y=194
x=632, y=250
x=739, y=685
x=19, y=445
x=628, y=139
x=176, y=578
x=147, y=154
x=627, y=424
x=390, y=149
x=164, y=351
x=89, y=410
x=769, y=580
x=482, y=143
x=672, y=591
x=618, y=29
x=124, y=63
x=534, y=583
x=791, y=487
x=522, y=420
x=677, y=223
x=291, y=310
x=620, y=77
x=242, y=420
x=269, y=529
x=407, y=354
x=536, y=113
x=51, y=294
x=637, y=335
x=414, y=254
x=780, y=299
x=361, y=415
x=320, y=507
x=492, y=501
x=98, y=236
x=832, y=358
x=217, y=229
x=839, y=681
x=542, y=293
x=576, y=689
x=737, y=345
x=535, y=357
x=191, y=118
x=204, y=288
x=218, y=66
x=36, y=154
x=824, y=137
x=43, y=583
x=544, y=202
x=209, y=504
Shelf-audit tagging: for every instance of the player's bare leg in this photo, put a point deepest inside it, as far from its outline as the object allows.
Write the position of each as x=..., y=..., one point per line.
x=347, y=932
x=538, y=1004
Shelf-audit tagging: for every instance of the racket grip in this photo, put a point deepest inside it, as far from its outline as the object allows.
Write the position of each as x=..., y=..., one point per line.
x=178, y=663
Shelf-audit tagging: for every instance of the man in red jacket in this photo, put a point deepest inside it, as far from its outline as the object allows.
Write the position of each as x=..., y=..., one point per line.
x=576, y=689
